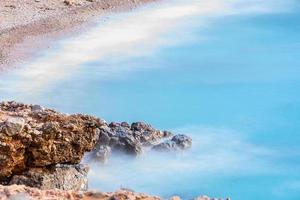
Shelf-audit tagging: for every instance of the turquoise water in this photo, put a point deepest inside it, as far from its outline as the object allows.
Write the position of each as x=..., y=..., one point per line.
x=230, y=80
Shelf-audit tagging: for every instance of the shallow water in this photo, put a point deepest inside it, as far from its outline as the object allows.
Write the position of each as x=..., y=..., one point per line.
x=225, y=72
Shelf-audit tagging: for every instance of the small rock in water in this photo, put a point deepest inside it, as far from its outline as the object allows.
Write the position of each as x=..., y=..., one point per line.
x=131, y=139
x=182, y=141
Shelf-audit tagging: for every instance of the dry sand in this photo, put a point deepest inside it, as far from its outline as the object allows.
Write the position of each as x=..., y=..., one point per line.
x=27, y=26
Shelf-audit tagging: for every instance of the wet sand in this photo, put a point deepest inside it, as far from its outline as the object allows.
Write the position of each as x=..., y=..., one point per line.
x=28, y=26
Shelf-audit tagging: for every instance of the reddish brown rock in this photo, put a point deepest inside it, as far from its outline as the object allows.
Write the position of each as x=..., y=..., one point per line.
x=31, y=136
x=23, y=192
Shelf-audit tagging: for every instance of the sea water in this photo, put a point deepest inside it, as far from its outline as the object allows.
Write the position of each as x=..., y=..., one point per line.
x=225, y=72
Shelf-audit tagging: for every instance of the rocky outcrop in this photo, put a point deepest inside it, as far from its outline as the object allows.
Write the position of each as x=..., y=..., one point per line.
x=131, y=139
x=42, y=148
x=31, y=137
x=28, y=193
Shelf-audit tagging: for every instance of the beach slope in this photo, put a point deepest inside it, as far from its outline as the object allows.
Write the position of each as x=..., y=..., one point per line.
x=26, y=25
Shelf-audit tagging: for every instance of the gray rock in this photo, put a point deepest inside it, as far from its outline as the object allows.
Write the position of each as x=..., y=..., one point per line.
x=182, y=141
x=37, y=108
x=126, y=142
x=178, y=142
x=125, y=124
x=130, y=139
x=167, y=134
x=13, y=126
x=119, y=138
x=166, y=146
x=65, y=177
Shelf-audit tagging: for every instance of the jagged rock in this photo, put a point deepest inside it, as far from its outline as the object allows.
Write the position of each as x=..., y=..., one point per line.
x=65, y=177
x=128, y=138
x=182, y=141
x=36, y=137
x=119, y=138
x=13, y=126
x=23, y=192
x=146, y=134
x=132, y=138
x=178, y=142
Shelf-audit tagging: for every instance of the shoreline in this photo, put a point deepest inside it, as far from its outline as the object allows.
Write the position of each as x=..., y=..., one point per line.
x=22, y=39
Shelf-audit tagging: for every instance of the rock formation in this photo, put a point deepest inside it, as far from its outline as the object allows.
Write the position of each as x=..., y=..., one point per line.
x=42, y=148
x=34, y=137
x=131, y=139
x=64, y=177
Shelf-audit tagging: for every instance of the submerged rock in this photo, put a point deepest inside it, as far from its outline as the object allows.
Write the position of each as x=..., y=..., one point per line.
x=65, y=177
x=182, y=141
x=125, y=138
x=167, y=145
x=131, y=139
x=178, y=142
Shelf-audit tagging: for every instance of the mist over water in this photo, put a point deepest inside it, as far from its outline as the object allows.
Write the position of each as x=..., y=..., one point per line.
x=216, y=154
x=224, y=72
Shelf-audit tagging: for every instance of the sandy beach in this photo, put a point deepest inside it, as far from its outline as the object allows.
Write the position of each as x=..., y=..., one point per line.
x=30, y=25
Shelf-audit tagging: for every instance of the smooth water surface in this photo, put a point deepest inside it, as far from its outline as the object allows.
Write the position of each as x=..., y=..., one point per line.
x=225, y=72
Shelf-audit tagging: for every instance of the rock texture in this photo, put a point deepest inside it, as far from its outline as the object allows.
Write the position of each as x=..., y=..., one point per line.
x=178, y=142
x=31, y=136
x=65, y=177
x=42, y=148
x=16, y=192
x=28, y=193
x=131, y=139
